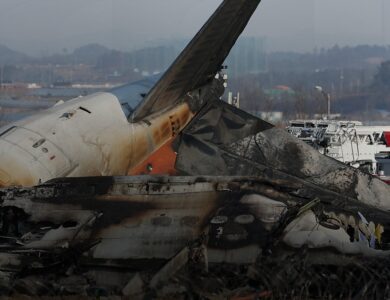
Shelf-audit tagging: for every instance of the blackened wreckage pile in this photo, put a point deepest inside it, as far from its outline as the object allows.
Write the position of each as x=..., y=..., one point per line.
x=253, y=212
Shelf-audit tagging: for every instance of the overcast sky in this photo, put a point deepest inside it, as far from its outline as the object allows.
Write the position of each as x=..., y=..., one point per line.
x=46, y=26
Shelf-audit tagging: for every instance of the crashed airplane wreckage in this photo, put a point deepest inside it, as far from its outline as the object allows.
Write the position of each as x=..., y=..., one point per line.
x=250, y=209
x=258, y=206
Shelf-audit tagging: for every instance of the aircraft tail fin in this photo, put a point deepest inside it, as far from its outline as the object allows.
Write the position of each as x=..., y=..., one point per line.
x=201, y=59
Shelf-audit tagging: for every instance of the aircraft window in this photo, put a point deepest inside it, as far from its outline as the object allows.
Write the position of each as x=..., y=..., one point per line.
x=39, y=143
x=310, y=125
x=68, y=114
x=8, y=130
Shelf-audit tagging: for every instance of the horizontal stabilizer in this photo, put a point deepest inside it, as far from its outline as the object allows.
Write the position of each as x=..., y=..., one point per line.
x=201, y=59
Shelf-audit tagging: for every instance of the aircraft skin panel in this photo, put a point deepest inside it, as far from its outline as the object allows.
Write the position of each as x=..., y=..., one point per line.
x=89, y=136
x=161, y=162
x=19, y=166
x=43, y=151
x=76, y=135
x=201, y=59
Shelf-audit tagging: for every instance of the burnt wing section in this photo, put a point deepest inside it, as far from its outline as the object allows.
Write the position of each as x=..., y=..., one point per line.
x=201, y=59
x=216, y=125
x=231, y=142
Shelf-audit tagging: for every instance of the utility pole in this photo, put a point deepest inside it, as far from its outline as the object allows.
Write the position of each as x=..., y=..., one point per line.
x=326, y=97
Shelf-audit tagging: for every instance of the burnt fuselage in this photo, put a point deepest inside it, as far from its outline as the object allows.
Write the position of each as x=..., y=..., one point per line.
x=122, y=220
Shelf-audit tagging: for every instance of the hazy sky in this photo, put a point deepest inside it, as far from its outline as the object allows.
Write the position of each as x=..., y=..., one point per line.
x=44, y=26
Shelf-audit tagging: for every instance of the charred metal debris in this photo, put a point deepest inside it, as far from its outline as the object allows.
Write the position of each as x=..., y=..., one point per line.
x=254, y=214
x=199, y=236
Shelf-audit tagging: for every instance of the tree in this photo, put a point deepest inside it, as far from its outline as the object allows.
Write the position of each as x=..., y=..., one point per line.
x=300, y=98
x=381, y=81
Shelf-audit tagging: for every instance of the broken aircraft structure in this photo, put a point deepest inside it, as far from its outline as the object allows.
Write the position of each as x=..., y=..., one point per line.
x=245, y=197
x=116, y=130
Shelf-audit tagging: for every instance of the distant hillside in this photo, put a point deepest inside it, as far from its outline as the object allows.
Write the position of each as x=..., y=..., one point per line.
x=89, y=54
x=150, y=60
x=9, y=56
x=359, y=57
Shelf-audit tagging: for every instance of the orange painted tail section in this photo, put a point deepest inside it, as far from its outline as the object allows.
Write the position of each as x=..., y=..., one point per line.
x=161, y=162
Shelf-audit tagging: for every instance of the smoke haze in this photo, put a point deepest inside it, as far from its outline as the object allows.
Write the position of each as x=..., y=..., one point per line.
x=45, y=26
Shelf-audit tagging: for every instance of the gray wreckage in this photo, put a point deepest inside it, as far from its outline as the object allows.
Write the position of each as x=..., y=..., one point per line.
x=251, y=212
x=245, y=198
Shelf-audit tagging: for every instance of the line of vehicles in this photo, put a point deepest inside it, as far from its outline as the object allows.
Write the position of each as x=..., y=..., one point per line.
x=351, y=142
